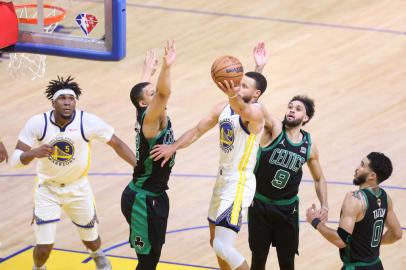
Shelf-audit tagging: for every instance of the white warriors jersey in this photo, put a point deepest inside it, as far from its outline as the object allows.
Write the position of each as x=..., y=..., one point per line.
x=70, y=159
x=238, y=147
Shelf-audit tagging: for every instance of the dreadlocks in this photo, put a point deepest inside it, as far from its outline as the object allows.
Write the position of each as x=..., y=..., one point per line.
x=59, y=84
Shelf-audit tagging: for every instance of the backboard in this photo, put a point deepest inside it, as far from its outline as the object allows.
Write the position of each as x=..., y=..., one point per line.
x=87, y=29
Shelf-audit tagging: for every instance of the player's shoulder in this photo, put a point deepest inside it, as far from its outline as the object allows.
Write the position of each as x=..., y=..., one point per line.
x=38, y=118
x=86, y=115
x=354, y=197
x=354, y=201
x=91, y=120
x=258, y=107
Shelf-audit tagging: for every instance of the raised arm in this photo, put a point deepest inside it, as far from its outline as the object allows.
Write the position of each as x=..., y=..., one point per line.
x=122, y=150
x=150, y=66
x=320, y=184
x=189, y=137
x=394, y=231
x=272, y=128
x=163, y=87
x=350, y=210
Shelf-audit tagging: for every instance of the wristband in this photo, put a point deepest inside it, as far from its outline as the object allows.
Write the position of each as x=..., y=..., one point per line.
x=15, y=159
x=232, y=96
x=315, y=222
x=325, y=207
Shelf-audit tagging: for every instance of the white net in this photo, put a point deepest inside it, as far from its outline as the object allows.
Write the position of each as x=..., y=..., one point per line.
x=26, y=64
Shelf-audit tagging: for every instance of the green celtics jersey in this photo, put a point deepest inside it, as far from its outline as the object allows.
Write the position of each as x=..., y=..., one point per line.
x=148, y=174
x=279, y=166
x=367, y=234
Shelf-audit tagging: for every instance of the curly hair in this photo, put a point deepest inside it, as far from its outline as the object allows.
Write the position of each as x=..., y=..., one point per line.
x=59, y=84
x=308, y=104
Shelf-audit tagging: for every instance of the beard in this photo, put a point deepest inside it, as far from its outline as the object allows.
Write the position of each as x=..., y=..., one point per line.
x=246, y=99
x=293, y=123
x=359, y=180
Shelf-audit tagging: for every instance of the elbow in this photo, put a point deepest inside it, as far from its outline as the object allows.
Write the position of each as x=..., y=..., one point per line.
x=398, y=235
x=164, y=92
x=340, y=244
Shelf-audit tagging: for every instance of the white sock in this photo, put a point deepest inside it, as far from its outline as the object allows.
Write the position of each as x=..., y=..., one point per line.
x=39, y=268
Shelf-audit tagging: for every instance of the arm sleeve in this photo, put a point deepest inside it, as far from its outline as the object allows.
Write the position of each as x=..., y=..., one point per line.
x=33, y=130
x=96, y=129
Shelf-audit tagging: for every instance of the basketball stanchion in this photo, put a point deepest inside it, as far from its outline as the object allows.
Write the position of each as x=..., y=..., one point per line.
x=34, y=65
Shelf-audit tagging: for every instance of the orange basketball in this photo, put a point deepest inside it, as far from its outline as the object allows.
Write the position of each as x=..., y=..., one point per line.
x=227, y=68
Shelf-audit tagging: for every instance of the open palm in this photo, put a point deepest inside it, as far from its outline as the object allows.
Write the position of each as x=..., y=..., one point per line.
x=170, y=53
x=260, y=55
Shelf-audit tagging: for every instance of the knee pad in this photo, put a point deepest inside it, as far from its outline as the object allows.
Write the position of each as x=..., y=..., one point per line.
x=228, y=253
x=218, y=248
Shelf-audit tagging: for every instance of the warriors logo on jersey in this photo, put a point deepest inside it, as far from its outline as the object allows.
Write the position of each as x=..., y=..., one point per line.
x=226, y=135
x=63, y=151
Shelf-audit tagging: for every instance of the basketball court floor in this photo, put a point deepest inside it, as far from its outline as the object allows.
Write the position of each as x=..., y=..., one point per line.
x=349, y=56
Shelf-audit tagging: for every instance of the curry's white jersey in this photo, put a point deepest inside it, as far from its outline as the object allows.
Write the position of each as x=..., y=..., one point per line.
x=238, y=148
x=235, y=184
x=71, y=157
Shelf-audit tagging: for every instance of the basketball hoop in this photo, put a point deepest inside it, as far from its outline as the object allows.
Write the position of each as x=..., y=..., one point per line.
x=24, y=64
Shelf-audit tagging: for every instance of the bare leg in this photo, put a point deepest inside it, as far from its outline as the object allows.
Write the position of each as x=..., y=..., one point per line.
x=223, y=264
x=243, y=266
x=93, y=245
x=41, y=254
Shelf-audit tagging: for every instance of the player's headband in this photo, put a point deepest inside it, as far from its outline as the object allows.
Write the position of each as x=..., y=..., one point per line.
x=65, y=91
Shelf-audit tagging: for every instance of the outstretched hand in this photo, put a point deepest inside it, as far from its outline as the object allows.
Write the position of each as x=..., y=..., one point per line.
x=162, y=151
x=150, y=63
x=260, y=56
x=170, y=53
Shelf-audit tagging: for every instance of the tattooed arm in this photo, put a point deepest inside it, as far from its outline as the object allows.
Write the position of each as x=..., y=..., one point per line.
x=351, y=211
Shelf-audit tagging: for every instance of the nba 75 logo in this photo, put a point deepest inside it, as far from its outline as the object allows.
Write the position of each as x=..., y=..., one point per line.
x=63, y=151
x=86, y=22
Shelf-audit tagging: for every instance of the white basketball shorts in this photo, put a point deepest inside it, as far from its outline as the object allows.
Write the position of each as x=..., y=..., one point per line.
x=78, y=203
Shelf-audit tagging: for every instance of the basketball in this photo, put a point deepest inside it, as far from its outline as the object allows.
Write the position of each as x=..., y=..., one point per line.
x=227, y=68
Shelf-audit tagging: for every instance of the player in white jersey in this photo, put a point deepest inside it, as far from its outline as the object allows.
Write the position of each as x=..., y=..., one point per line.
x=235, y=185
x=60, y=140
x=241, y=120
